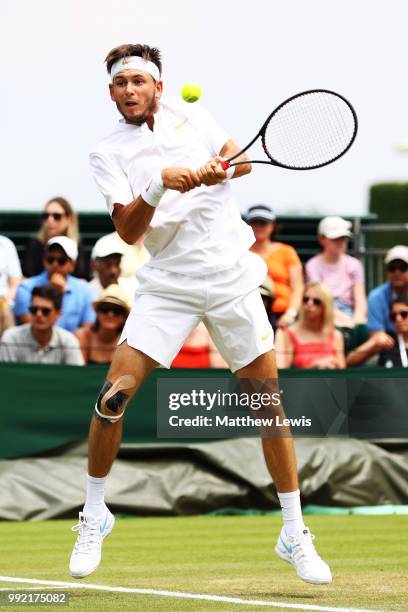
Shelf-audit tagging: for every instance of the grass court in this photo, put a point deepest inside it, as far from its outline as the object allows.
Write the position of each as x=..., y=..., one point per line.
x=228, y=556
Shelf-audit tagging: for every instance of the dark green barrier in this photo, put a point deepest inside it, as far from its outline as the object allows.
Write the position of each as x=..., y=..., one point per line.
x=43, y=407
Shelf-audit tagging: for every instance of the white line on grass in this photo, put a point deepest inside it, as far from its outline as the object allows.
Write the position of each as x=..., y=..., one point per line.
x=179, y=595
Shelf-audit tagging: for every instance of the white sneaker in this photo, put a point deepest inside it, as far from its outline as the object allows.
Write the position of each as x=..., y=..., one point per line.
x=87, y=552
x=299, y=550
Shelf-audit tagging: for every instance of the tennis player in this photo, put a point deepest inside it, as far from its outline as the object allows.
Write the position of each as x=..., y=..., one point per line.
x=160, y=174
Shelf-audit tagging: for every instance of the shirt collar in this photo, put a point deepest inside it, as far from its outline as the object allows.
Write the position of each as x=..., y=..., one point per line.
x=53, y=343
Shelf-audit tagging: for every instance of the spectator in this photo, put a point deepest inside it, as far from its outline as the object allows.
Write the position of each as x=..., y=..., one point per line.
x=313, y=341
x=99, y=341
x=106, y=258
x=10, y=270
x=59, y=261
x=40, y=341
x=342, y=273
x=199, y=351
x=392, y=349
x=59, y=219
x=134, y=256
x=380, y=298
x=284, y=265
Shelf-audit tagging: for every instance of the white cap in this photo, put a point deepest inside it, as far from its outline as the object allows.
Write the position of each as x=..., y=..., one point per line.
x=107, y=245
x=334, y=227
x=69, y=247
x=398, y=252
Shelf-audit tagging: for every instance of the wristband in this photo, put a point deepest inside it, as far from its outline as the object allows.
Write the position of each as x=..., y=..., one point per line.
x=230, y=171
x=153, y=190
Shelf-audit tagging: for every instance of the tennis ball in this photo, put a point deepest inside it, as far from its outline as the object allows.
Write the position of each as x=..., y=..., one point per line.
x=191, y=92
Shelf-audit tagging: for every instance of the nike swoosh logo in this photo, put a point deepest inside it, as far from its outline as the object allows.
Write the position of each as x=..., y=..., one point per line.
x=263, y=338
x=148, y=186
x=288, y=548
x=181, y=124
x=102, y=528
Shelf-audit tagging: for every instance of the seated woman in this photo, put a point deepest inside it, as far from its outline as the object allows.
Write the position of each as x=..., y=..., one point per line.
x=99, y=341
x=59, y=219
x=199, y=351
x=313, y=341
x=284, y=265
x=391, y=351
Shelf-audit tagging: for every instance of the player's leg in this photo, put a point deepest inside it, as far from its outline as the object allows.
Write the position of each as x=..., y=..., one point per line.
x=278, y=450
x=295, y=543
x=155, y=330
x=238, y=324
x=128, y=370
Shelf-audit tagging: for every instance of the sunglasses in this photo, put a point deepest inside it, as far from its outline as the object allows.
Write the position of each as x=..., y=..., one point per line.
x=308, y=298
x=403, y=314
x=42, y=309
x=117, y=311
x=55, y=216
x=60, y=260
x=401, y=266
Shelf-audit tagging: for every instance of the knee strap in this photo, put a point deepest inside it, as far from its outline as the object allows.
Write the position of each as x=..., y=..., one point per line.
x=112, y=399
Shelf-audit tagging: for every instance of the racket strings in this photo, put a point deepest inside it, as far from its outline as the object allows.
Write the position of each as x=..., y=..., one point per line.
x=310, y=130
x=313, y=132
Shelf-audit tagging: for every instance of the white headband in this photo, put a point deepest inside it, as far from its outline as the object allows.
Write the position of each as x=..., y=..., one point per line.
x=134, y=62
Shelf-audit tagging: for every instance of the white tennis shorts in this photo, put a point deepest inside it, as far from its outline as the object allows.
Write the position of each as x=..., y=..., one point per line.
x=168, y=307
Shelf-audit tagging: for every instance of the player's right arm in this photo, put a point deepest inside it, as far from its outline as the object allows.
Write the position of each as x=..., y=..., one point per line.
x=132, y=220
x=132, y=216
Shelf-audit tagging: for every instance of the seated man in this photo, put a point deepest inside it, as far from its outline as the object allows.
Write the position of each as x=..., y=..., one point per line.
x=59, y=262
x=114, y=261
x=380, y=298
x=40, y=341
x=392, y=349
x=106, y=258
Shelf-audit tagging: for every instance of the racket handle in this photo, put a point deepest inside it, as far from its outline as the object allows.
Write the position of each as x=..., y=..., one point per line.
x=225, y=164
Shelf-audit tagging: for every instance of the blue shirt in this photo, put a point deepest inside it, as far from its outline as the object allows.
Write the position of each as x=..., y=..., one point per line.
x=379, y=300
x=76, y=302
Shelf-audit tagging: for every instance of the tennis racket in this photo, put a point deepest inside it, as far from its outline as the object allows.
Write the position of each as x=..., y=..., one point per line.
x=307, y=131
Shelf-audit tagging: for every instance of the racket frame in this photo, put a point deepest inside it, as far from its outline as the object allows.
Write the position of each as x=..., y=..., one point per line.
x=226, y=163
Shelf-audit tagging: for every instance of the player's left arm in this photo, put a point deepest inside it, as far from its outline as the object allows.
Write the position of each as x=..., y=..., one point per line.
x=212, y=172
x=229, y=150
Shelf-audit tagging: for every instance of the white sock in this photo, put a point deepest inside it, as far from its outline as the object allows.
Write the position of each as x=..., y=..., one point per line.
x=95, y=496
x=291, y=512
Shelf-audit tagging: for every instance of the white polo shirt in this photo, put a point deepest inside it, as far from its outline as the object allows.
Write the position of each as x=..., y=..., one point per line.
x=19, y=345
x=195, y=233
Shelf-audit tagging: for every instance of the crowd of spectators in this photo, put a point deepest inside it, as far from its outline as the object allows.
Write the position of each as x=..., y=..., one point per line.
x=60, y=307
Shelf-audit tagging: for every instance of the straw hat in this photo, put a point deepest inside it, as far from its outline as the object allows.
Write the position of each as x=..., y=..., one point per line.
x=113, y=294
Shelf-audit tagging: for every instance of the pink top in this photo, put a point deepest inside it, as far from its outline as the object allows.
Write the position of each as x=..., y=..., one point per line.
x=308, y=352
x=339, y=277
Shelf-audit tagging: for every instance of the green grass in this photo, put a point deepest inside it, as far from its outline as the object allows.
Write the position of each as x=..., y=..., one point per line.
x=231, y=556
